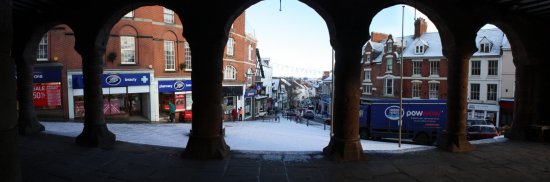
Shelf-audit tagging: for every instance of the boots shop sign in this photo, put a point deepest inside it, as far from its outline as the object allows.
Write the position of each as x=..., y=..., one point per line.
x=116, y=80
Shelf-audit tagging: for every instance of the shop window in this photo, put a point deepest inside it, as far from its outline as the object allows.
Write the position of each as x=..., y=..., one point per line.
x=187, y=56
x=169, y=56
x=474, y=91
x=230, y=73
x=168, y=15
x=42, y=52
x=128, y=49
x=230, y=46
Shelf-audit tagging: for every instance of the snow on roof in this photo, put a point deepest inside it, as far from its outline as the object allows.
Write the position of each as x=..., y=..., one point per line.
x=494, y=35
x=285, y=82
x=429, y=38
x=506, y=43
x=275, y=84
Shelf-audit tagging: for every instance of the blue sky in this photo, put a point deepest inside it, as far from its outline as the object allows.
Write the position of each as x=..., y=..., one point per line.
x=297, y=40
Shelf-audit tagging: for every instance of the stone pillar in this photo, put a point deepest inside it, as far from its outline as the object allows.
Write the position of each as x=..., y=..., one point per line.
x=95, y=132
x=345, y=144
x=207, y=45
x=523, y=101
x=453, y=139
x=10, y=169
x=27, y=122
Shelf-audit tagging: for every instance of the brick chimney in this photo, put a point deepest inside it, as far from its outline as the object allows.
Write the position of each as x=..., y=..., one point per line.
x=420, y=27
x=325, y=74
x=378, y=37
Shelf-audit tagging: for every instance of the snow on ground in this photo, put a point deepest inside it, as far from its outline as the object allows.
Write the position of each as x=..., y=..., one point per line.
x=285, y=135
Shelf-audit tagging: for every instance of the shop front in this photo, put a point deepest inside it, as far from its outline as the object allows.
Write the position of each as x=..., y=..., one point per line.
x=248, y=106
x=231, y=99
x=126, y=96
x=47, y=94
x=488, y=112
x=179, y=93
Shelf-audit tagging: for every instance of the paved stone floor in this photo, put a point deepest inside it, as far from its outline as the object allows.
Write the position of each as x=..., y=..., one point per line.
x=55, y=158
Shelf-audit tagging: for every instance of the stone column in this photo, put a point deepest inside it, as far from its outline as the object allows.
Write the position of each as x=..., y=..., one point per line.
x=95, y=132
x=27, y=122
x=453, y=139
x=523, y=101
x=207, y=45
x=345, y=144
x=10, y=169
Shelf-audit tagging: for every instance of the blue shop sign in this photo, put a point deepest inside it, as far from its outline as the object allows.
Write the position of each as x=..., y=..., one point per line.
x=116, y=80
x=46, y=75
x=250, y=93
x=174, y=85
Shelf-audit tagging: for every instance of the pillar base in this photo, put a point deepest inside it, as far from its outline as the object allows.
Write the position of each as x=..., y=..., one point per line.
x=344, y=150
x=96, y=136
x=9, y=157
x=454, y=142
x=199, y=147
x=30, y=127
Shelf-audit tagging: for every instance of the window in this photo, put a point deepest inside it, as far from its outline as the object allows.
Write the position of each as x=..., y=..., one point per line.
x=129, y=14
x=249, y=77
x=492, y=92
x=169, y=56
x=485, y=47
x=434, y=67
x=42, y=52
x=389, y=45
x=187, y=55
x=230, y=44
x=434, y=90
x=250, y=52
x=416, y=89
x=127, y=50
x=389, y=64
x=417, y=65
x=368, y=57
x=389, y=87
x=367, y=89
x=168, y=16
x=419, y=49
x=493, y=68
x=230, y=73
x=476, y=68
x=367, y=75
x=474, y=91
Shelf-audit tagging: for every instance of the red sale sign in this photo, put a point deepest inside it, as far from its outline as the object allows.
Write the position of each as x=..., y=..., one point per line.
x=180, y=102
x=39, y=95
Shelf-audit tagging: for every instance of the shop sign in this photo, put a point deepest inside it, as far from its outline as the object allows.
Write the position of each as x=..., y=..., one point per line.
x=46, y=75
x=250, y=93
x=46, y=95
x=116, y=80
x=174, y=85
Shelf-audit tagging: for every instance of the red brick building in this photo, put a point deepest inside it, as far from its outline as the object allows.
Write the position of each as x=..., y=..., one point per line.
x=151, y=60
x=424, y=68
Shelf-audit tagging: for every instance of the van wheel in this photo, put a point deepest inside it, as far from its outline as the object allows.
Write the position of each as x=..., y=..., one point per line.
x=364, y=133
x=423, y=138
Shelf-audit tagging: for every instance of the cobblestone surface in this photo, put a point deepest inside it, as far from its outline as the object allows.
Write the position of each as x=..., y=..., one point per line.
x=56, y=158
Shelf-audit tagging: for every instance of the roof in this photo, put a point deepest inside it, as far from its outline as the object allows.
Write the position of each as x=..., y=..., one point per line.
x=275, y=83
x=429, y=38
x=495, y=36
x=285, y=82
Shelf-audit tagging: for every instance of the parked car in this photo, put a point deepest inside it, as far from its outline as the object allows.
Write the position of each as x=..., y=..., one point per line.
x=309, y=114
x=471, y=122
x=477, y=132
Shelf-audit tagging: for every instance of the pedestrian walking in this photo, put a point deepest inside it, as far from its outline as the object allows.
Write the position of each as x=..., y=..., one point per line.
x=241, y=113
x=234, y=114
x=172, y=108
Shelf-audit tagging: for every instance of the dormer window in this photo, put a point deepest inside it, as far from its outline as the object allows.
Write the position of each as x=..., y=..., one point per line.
x=419, y=49
x=389, y=45
x=420, y=46
x=485, y=45
x=367, y=57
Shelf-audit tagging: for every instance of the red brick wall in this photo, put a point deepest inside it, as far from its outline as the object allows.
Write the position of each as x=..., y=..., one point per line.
x=149, y=46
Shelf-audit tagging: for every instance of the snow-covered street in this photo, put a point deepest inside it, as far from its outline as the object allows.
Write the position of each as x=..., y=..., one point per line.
x=243, y=135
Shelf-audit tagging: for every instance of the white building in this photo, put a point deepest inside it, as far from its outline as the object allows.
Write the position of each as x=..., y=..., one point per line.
x=485, y=75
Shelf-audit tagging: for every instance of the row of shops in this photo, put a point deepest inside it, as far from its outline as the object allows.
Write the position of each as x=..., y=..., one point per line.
x=128, y=95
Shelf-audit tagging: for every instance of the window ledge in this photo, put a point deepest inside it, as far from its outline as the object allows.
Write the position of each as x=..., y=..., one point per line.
x=188, y=69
